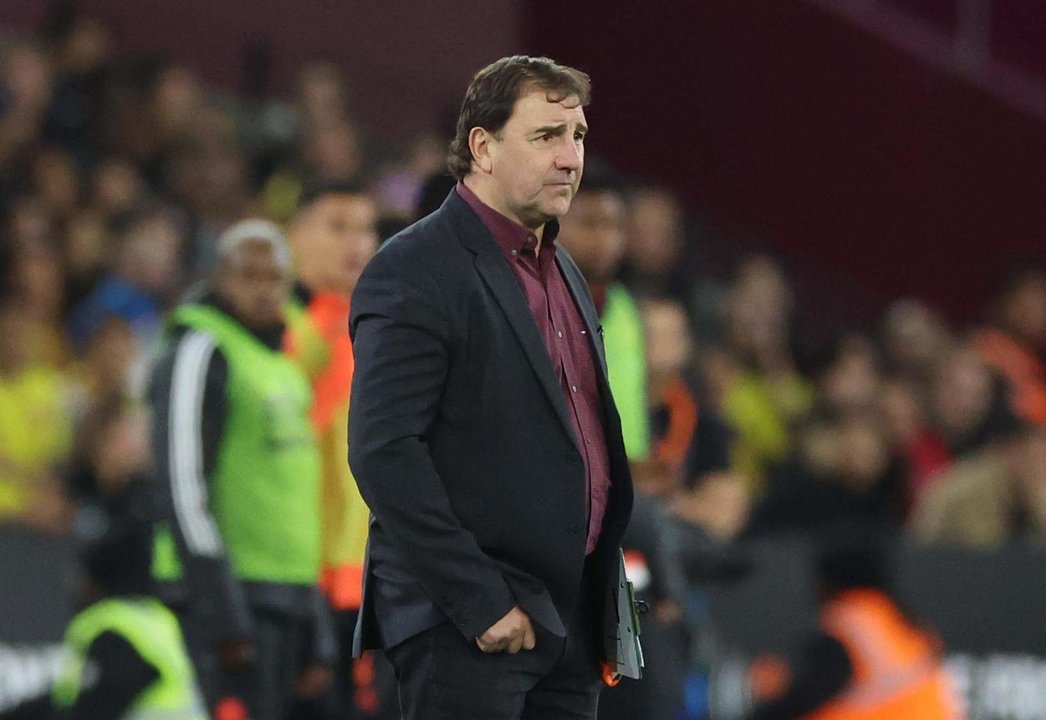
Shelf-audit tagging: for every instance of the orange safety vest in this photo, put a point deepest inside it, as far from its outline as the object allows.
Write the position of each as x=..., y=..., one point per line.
x=897, y=671
x=318, y=337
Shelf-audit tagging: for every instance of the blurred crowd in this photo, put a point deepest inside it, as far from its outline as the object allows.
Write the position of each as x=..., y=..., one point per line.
x=117, y=179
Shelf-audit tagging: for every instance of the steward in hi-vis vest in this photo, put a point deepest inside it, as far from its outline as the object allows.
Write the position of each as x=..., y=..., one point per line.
x=124, y=657
x=869, y=661
x=239, y=473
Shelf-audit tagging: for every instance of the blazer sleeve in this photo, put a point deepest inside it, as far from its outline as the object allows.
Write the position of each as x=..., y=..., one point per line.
x=401, y=340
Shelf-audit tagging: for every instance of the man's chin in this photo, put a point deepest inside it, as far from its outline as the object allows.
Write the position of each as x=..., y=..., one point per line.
x=557, y=207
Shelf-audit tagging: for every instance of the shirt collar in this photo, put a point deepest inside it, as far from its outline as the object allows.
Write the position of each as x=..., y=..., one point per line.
x=510, y=236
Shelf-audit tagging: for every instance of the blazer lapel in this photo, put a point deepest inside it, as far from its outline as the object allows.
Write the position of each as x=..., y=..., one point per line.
x=504, y=286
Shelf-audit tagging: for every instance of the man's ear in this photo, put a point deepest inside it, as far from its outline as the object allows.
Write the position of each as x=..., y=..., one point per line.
x=480, y=145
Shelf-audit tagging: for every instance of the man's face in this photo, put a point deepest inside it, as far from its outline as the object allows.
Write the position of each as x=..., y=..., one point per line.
x=537, y=159
x=333, y=239
x=255, y=285
x=593, y=232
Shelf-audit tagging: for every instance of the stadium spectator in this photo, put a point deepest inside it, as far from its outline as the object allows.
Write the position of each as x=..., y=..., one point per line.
x=108, y=478
x=915, y=441
x=763, y=396
x=655, y=246
x=969, y=404
x=991, y=497
x=36, y=276
x=915, y=339
x=84, y=251
x=239, y=471
x=845, y=469
x=333, y=236
x=854, y=379
x=593, y=232
x=1015, y=341
x=145, y=273
x=35, y=428
x=671, y=394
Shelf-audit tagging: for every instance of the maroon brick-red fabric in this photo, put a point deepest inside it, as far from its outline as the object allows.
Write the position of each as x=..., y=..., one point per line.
x=566, y=338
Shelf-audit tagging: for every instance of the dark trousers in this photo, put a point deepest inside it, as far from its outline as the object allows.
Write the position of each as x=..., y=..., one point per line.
x=266, y=689
x=443, y=676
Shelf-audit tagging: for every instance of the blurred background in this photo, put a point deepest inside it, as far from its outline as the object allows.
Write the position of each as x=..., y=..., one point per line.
x=825, y=218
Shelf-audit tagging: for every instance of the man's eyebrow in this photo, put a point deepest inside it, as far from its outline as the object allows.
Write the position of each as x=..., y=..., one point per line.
x=550, y=130
x=557, y=129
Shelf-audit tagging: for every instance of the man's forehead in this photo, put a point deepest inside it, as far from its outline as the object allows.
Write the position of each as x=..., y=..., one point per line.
x=550, y=107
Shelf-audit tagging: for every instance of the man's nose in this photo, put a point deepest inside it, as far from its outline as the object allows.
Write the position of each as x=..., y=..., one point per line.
x=570, y=156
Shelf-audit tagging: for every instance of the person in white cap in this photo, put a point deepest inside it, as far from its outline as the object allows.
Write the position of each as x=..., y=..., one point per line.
x=238, y=472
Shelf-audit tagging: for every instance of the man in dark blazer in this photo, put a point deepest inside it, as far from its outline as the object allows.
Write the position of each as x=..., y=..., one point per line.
x=482, y=432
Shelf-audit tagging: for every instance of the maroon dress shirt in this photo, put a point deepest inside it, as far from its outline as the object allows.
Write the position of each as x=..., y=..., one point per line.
x=566, y=338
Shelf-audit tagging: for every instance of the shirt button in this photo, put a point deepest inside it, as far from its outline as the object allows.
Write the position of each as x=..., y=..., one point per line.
x=559, y=333
x=515, y=253
x=573, y=388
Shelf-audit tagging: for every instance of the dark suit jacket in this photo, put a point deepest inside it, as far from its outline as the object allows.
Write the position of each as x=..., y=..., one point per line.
x=461, y=444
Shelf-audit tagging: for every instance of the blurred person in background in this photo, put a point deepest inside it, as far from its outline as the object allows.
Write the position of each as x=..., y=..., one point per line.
x=146, y=270
x=869, y=659
x=399, y=185
x=332, y=151
x=111, y=365
x=712, y=505
x=37, y=280
x=56, y=182
x=321, y=101
x=707, y=515
x=333, y=236
x=1014, y=344
x=25, y=96
x=968, y=402
x=208, y=174
x=84, y=251
x=124, y=654
x=671, y=395
x=915, y=339
x=109, y=468
x=238, y=470
x=854, y=379
x=925, y=454
x=593, y=232
x=152, y=108
x=322, y=95
x=846, y=468
x=762, y=394
x=116, y=188
x=990, y=498
x=81, y=48
x=655, y=245
x=28, y=224
x=35, y=429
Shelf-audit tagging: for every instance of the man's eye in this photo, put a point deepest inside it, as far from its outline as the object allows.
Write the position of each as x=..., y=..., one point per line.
x=579, y=137
x=546, y=137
